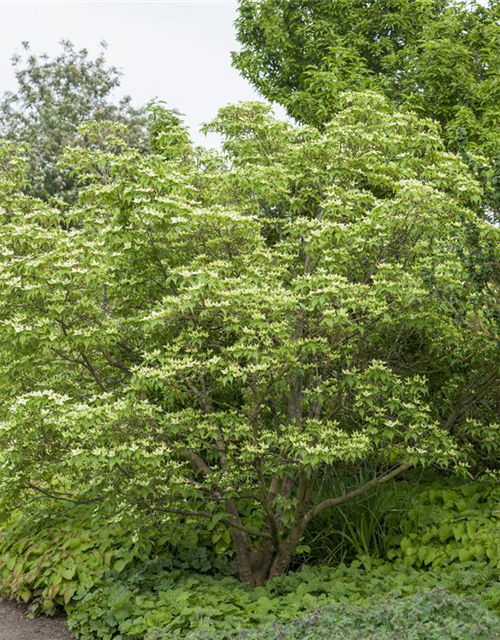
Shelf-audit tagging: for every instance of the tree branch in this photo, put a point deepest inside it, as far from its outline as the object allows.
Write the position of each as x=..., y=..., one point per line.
x=233, y=524
x=56, y=495
x=93, y=371
x=115, y=362
x=334, y=502
x=197, y=461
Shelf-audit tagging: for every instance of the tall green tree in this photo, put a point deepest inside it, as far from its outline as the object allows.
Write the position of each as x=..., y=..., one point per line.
x=201, y=335
x=438, y=58
x=53, y=98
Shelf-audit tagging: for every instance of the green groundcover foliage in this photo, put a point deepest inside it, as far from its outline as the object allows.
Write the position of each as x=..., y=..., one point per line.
x=50, y=559
x=116, y=581
x=426, y=615
x=52, y=556
x=450, y=522
x=455, y=537
x=166, y=605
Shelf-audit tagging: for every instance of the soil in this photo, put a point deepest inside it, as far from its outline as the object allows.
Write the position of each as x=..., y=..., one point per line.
x=14, y=625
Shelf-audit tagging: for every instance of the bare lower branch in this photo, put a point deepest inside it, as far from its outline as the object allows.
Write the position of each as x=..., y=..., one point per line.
x=90, y=367
x=334, y=502
x=196, y=461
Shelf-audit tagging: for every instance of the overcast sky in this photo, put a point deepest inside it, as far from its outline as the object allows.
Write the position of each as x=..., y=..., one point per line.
x=178, y=51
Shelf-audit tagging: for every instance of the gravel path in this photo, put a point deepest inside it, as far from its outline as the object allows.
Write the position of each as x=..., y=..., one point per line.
x=15, y=626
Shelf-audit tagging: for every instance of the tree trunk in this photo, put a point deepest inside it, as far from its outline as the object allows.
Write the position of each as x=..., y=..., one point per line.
x=253, y=564
x=258, y=565
x=243, y=551
x=284, y=555
x=261, y=561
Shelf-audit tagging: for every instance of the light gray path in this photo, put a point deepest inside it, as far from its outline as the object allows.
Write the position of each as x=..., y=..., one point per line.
x=15, y=626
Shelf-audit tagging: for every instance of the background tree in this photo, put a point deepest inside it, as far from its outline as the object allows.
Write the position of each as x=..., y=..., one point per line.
x=202, y=335
x=438, y=58
x=55, y=96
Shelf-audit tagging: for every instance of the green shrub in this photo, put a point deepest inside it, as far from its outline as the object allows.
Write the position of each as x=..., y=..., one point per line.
x=426, y=615
x=50, y=558
x=448, y=522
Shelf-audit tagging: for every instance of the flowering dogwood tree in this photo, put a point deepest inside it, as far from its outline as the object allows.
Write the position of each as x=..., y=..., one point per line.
x=204, y=333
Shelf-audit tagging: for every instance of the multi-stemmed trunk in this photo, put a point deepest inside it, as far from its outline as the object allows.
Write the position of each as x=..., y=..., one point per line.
x=271, y=556
x=266, y=561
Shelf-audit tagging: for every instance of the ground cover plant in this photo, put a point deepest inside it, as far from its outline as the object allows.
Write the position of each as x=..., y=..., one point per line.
x=116, y=583
x=47, y=559
x=450, y=522
x=51, y=555
x=432, y=615
x=464, y=561
x=427, y=615
x=162, y=604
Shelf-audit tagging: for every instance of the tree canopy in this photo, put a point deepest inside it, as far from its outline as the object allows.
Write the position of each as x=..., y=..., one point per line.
x=201, y=335
x=438, y=58
x=54, y=97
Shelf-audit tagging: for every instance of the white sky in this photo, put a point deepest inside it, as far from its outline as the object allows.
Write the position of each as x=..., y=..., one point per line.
x=178, y=51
